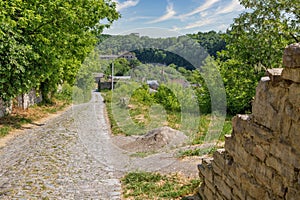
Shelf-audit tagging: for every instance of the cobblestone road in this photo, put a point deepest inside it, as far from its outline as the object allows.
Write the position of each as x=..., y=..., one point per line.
x=71, y=157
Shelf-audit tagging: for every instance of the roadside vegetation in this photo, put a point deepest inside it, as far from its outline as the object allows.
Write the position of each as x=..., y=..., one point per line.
x=44, y=44
x=20, y=117
x=150, y=185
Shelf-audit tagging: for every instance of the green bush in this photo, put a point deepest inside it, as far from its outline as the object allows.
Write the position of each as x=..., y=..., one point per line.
x=167, y=99
x=66, y=93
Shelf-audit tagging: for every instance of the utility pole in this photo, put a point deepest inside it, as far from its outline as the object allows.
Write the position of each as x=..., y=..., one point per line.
x=112, y=76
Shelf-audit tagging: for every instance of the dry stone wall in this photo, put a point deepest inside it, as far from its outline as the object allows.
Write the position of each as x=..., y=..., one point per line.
x=5, y=108
x=261, y=159
x=28, y=99
x=22, y=101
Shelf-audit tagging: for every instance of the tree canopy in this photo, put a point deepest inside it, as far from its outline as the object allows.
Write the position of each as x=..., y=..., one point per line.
x=258, y=37
x=43, y=43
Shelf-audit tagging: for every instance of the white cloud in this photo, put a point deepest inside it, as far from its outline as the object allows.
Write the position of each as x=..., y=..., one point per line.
x=126, y=4
x=207, y=5
x=222, y=27
x=199, y=23
x=170, y=13
x=233, y=6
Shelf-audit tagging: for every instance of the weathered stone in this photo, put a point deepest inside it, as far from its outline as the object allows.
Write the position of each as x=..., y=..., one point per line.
x=294, y=135
x=28, y=99
x=292, y=74
x=294, y=95
x=268, y=104
x=286, y=171
x=210, y=185
x=208, y=194
x=291, y=56
x=205, y=170
x=222, y=187
x=277, y=186
x=216, y=169
x=253, y=189
x=238, y=192
x=219, y=158
x=5, y=108
x=264, y=175
x=261, y=159
x=293, y=193
x=259, y=152
x=260, y=134
x=275, y=74
x=286, y=154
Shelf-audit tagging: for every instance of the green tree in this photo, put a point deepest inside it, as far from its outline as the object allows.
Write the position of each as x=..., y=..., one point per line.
x=43, y=43
x=258, y=37
x=240, y=82
x=212, y=41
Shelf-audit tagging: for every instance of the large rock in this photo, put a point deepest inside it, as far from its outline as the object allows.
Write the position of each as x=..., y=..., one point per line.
x=156, y=139
x=291, y=56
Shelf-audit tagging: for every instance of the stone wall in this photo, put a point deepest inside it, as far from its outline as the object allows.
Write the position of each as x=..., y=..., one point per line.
x=29, y=99
x=22, y=101
x=5, y=108
x=261, y=159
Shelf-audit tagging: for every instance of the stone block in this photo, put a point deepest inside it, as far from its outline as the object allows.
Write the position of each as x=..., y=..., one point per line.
x=237, y=191
x=283, y=170
x=291, y=56
x=239, y=123
x=260, y=134
x=259, y=152
x=292, y=74
x=222, y=187
x=233, y=174
x=219, y=158
x=275, y=74
x=291, y=113
x=230, y=144
x=263, y=175
x=208, y=194
x=286, y=153
x=252, y=188
x=219, y=197
x=268, y=104
x=277, y=186
x=205, y=171
x=294, y=135
x=5, y=108
x=294, y=95
x=228, y=180
x=292, y=193
x=280, y=150
x=217, y=170
x=210, y=185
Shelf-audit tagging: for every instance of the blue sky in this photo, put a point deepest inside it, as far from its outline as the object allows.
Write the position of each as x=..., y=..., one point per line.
x=180, y=16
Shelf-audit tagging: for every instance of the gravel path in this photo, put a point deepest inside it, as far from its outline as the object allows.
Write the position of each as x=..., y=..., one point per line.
x=74, y=156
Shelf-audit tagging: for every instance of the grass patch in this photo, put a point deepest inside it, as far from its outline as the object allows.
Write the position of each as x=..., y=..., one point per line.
x=197, y=152
x=204, y=123
x=227, y=129
x=4, y=130
x=142, y=154
x=149, y=185
x=19, y=117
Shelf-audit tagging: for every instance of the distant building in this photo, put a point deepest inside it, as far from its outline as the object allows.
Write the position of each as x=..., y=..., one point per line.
x=135, y=34
x=98, y=76
x=126, y=55
x=153, y=84
x=108, y=57
x=121, y=77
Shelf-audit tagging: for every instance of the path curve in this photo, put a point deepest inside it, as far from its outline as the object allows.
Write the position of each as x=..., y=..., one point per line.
x=74, y=156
